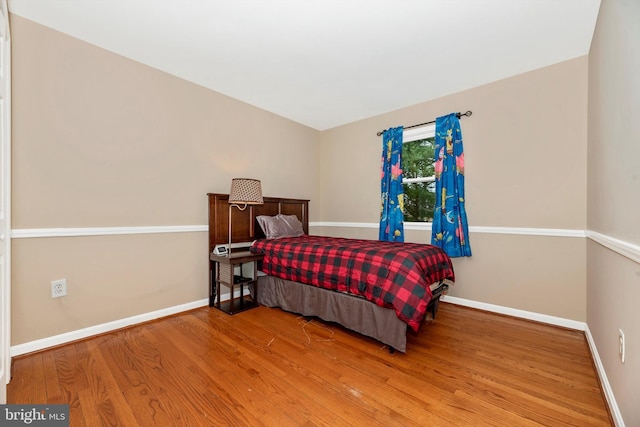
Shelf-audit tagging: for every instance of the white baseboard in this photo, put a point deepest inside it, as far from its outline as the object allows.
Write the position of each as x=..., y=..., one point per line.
x=55, y=340
x=79, y=334
x=557, y=321
x=67, y=337
x=606, y=387
x=543, y=318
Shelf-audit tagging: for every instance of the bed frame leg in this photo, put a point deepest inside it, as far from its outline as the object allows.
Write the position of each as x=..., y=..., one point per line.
x=391, y=350
x=434, y=307
x=433, y=304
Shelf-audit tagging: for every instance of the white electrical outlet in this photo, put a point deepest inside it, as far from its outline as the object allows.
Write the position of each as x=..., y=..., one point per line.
x=621, y=345
x=58, y=288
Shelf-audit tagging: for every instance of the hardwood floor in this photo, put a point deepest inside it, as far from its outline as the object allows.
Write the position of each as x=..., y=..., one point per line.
x=269, y=367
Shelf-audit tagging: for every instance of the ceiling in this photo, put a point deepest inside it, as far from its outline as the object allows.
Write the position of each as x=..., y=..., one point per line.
x=325, y=63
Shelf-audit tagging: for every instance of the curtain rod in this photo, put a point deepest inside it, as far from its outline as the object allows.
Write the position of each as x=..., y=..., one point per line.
x=458, y=115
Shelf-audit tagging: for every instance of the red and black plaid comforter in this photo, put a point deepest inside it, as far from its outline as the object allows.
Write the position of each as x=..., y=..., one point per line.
x=390, y=274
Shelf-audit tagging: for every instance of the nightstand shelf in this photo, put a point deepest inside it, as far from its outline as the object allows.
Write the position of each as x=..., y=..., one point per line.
x=222, y=272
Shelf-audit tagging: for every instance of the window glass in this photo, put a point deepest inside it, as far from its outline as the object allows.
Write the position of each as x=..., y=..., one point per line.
x=418, y=174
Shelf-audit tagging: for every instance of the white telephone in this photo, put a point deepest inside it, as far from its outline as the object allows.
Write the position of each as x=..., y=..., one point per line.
x=220, y=250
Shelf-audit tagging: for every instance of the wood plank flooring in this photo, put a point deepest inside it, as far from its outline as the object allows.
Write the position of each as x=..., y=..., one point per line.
x=273, y=368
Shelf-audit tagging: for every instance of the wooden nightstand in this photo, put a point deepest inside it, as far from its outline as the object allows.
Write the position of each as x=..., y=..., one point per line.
x=223, y=272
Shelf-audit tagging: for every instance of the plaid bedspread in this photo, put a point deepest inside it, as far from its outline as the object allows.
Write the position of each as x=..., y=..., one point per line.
x=390, y=274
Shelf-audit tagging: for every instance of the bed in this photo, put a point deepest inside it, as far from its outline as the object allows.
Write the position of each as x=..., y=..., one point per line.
x=364, y=305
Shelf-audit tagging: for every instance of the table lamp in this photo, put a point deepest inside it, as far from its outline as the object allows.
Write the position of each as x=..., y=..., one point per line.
x=244, y=191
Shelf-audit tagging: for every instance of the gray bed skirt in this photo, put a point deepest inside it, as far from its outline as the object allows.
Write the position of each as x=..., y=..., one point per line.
x=354, y=313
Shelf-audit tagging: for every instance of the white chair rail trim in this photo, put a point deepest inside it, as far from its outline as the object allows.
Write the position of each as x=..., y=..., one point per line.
x=554, y=232
x=624, y=248
x=30, y=233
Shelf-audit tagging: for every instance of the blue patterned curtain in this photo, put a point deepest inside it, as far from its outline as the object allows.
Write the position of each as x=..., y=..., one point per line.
x=450, y=230
x=391, y=214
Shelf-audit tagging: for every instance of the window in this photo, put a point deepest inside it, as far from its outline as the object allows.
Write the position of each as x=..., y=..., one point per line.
x=418, y=173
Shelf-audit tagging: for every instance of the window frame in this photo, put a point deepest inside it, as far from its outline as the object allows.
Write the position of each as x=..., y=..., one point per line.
x=411, y=135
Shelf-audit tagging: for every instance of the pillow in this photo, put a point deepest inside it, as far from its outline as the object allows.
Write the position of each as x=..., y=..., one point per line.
x=278, y=226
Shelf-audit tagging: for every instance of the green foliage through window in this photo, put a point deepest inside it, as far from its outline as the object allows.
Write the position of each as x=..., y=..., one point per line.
x=418, y=183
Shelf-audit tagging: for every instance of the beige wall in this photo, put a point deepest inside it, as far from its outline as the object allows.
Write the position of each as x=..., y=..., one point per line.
x=512, y=271
x=613, y=289
x=100, y=141
x=524, y=152
x=103, y=141
x=525, y=155
x=108, y=278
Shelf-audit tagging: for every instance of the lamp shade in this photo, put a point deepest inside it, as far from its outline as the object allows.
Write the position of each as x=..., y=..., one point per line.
x=245, y=191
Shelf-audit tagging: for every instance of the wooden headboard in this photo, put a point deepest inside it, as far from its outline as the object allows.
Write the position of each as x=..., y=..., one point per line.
x=245, y=227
